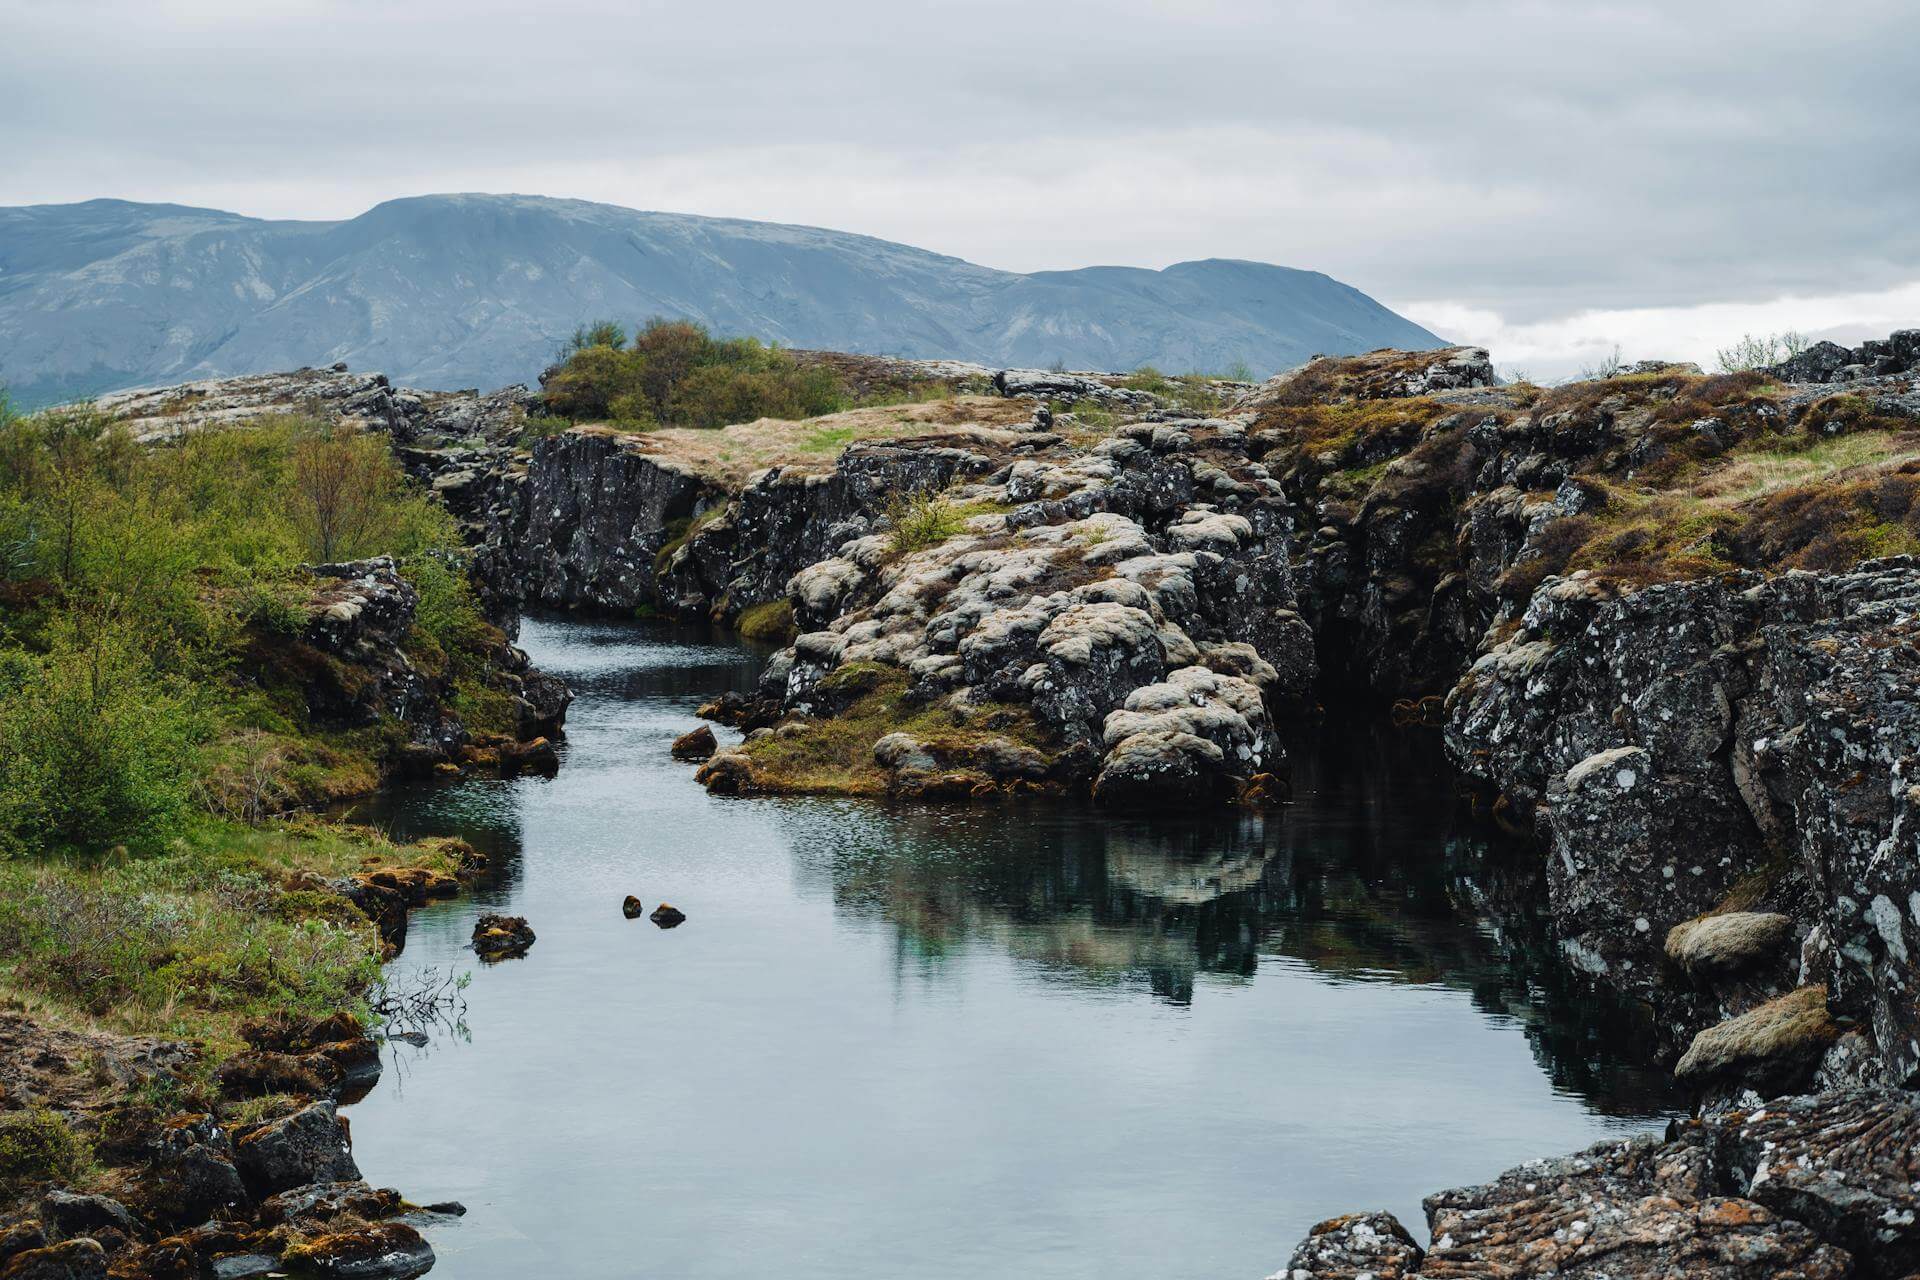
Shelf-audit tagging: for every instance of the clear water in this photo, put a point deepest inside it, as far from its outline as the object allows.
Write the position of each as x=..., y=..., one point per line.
x=964, y=1042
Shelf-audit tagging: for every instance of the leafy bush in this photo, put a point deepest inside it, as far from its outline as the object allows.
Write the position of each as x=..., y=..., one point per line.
x=37, y=1147
x=94, y=751
x=676, y=373
x=149, y=581
x=601, y=333
x=923, y=520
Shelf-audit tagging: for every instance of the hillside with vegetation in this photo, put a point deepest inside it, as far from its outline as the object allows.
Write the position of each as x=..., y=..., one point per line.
x=201, y=643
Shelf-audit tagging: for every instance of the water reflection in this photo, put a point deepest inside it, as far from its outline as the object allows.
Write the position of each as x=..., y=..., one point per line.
x=1138, y=1047
x=1377, y=874
x=1364, y=881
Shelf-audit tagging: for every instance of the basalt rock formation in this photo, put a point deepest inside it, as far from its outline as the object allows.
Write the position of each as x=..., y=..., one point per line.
x=354, y=663
x=1804, y=1187
x=1690, y=677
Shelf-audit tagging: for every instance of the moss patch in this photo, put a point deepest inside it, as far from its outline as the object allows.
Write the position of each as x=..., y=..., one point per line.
x=770, y=623
x=833, y=755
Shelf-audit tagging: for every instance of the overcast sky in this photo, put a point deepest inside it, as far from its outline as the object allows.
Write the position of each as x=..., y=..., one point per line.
x=1548, y=179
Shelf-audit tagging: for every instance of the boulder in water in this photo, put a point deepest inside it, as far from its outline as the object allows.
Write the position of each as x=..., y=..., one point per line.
x=497, y=937
x=667, y=916
x=698, y=744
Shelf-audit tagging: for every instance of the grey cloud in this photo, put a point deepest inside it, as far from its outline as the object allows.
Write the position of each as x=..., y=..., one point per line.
x=1533, y=157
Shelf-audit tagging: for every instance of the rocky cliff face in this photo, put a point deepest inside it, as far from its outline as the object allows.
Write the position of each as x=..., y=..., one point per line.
x=1029, y=604
x=1682, y=652
x=1717, y=762
x=354, y=664
x=1704, y=746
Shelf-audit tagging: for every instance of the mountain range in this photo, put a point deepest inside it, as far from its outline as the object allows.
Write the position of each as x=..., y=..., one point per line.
x=448, y=291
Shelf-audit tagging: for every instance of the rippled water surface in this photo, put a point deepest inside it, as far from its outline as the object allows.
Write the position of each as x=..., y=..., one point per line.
x=1027, y=1042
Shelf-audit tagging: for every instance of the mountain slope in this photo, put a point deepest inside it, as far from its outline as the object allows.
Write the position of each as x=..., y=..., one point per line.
x=477, y=290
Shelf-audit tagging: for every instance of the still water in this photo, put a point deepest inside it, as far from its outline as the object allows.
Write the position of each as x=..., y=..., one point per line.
x=965, y=1042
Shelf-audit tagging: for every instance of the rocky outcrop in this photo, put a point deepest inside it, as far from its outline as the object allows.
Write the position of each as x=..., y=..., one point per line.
x=426, y=419
x=353, y=662
x=297, y=1150
x=1040, y=384
x=584, y=523
x=695, y=745
x=1692, y=749
x=1807, y=1186
x=498, y=937
x=1831, y=362
x=1115, y=619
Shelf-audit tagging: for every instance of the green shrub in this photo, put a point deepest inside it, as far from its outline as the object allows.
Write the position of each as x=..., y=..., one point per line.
x=923, y=520
x=37, y=1147
x=601, y=333
x=676, y=373
x=94, y=751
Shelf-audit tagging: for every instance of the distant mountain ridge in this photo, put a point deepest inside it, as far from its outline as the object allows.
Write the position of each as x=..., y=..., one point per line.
x=478, y=290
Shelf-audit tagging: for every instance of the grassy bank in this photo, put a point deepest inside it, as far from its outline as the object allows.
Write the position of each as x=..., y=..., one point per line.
x=152, y=604
x=164, y=708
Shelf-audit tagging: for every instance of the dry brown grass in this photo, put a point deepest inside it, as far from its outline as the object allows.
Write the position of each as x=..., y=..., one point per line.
x=728, y=455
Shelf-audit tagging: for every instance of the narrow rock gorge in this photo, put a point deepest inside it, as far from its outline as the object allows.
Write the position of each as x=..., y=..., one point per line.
x=1664, y=620
x=1664, y=617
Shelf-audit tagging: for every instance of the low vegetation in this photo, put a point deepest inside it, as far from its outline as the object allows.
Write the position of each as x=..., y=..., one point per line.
x=833, y=755
x=219, y=929
x=150, y=603
x=769, y=623
x=675, y=373
x=728, y=455
x=155, y=726
x=1200, y=393
x=38, y=1146
x=1683, y=474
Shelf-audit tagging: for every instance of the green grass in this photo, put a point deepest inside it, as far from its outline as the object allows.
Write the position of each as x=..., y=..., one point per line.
x=193, y=942
x=829, y=440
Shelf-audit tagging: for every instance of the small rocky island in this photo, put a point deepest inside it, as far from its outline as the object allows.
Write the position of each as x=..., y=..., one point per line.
x=1664, y=620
